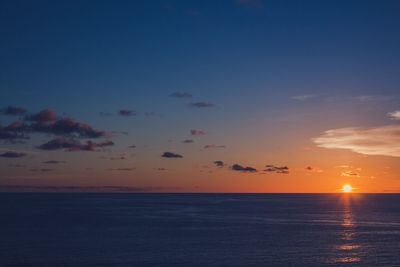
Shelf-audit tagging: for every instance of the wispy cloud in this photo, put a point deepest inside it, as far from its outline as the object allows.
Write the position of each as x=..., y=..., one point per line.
x=12, y=154
x=302, y=97
x=370, y=98
x=32, y=188
x=383, y=140
x=350, y=174
x=202, y=104
x=197, y=132
x=313, y=169
x=181, y=95
x=62, y=143
x=214, y=146
x=395, y=115
x=53, y=162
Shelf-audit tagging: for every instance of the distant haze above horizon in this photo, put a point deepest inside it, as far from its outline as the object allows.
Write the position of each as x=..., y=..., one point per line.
x=200, y=96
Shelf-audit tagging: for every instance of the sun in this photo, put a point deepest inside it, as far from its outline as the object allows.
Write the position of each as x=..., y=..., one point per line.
x=347, y=188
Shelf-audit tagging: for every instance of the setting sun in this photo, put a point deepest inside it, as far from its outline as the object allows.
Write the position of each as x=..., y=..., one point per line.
x=347, y=188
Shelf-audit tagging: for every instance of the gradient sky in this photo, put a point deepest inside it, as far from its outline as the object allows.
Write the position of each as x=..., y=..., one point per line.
x=286, y=96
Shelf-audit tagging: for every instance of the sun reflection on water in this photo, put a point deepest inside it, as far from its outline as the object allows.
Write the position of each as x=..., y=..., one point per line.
x=348, y=251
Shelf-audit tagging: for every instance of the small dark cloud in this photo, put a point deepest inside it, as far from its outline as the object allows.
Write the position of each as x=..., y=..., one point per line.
x=122, y=169
x=171, y=155
x=12, y=154
x=62, y=143
x=219, y=163
x=13, y=111
x=132, y=146
x=41, y=170
x=122, y=157
x=53, y=162
x=44, y=116
x=127, y=112
x=277, y=169
x=181, y=95
x=237, y=167
x=201, y=104
x=188, y=141
x=214, y=146
x=197, y=132
x=162, y=169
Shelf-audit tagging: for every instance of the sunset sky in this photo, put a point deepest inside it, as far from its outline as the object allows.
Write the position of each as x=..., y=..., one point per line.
x=200, y=96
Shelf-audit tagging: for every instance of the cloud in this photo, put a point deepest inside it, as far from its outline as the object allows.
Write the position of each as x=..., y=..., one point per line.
x=201, y=104
x=370, y=98
x=313, y=169
x=237, y=167
x=350, y=174
x=44, y=116
x=62, y=143
x=41, y=170
x=382, y=140
x=127, y=112
x=132, y=146
x=171, y=155
x=277, y=169
x=197, y=132
x=47, y=121
x=122, y=169
x=33, y=188
x=14, y=131
x=181, y=95
x=395, y=115
x=188, y=141
x=67, y=126
x=214, y=146
x=12, y=154
x=13, y=111
x=219, y=163
x=53, y=162
x=302, y=97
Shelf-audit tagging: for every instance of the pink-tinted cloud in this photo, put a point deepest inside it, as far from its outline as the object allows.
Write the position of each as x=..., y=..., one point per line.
x=197, y=132
x=382, y=140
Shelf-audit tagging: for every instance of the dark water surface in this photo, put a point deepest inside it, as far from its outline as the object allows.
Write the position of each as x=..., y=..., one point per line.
x=87, y=229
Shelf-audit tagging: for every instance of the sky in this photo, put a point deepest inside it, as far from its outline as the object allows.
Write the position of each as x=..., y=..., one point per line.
x=200, y=96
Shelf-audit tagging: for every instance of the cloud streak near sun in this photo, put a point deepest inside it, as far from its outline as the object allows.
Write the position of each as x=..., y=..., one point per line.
x=382, y=140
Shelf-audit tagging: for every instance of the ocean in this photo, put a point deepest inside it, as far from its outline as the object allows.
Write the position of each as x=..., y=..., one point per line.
x=122, y=229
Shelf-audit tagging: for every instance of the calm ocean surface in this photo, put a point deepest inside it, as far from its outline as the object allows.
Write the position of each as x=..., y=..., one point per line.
x=88, y=229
